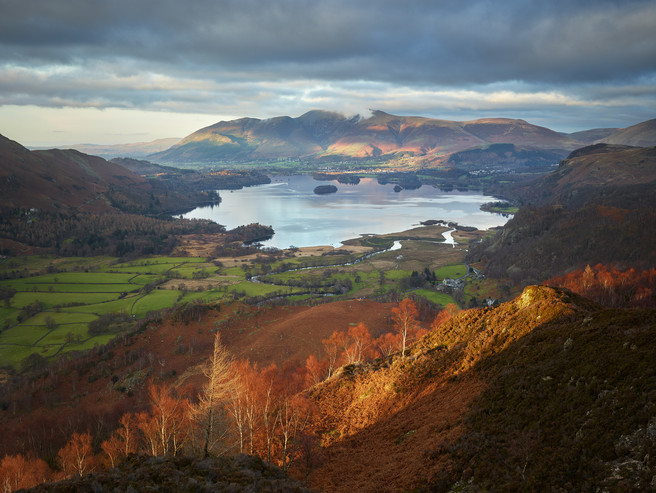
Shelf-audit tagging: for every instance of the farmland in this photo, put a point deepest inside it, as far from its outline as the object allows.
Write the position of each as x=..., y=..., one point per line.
x=49, y=302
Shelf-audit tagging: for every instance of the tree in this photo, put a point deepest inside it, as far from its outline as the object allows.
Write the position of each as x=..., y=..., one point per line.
x=292, y=417
x=448, y=312
x=316, y=370
x=164, y=426
x=267, y=381
x=128, y=433
x=123, y=441
x=333, y=345
x=405, y=321
x=360, y=339
x=76, y=457
x=242, y=403
x=17, y=472
x=388, y=343
x=214, y=395
x=113, y=449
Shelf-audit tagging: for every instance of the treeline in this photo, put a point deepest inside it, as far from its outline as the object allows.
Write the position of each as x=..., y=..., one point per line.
x=187, y=180
x=249, y=233
x=611, y=286
x=159, y=201
x=99, y=234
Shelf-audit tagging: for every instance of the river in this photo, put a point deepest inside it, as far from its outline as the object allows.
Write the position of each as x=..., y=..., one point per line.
x=302, y=218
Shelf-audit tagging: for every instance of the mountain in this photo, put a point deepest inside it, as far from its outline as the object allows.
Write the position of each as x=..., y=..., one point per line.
x=503, y=157
x=146, y=168
x=134, y=150
x=590, y=170
x=599, y=206
x=71, y=203
x=593, y=135
x=61, y=180
x=640, y=135
x=329, y=136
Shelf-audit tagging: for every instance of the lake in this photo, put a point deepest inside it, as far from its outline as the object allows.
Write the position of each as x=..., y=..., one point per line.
x=302, y=218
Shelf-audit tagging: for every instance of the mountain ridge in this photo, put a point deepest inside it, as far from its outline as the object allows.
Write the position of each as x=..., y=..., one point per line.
x=60, y=180
x=323, y=136
x=109, y=151
x=642, y=134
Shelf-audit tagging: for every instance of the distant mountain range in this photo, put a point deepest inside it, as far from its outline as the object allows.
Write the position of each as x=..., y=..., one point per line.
x=134, y=150
x=328, y=136
x=321, y=136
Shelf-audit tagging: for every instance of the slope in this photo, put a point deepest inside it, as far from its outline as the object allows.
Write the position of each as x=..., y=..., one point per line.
x=547, y=392
x=60, y=180
x=133, y=150
x=640, y=135
x=71, y=203
x=320, y=135
x=598, y=206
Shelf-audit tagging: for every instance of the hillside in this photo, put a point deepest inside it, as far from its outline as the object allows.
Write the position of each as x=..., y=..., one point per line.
x=60, y=180
x=146, y=168
x=191, y=181
x=593, y=135
x=599, y=206
x=546, y=392
x=640, y=135
x=239, y=473
x=327, y=136
x=503, y=158
x=71, y=203
x=105, y=382
x=70, y=182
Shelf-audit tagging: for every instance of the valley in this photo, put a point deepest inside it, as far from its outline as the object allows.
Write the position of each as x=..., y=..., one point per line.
x=55, y=301
x=438, y=353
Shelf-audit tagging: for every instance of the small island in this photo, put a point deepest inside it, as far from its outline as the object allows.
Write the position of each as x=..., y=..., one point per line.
x=324, y=189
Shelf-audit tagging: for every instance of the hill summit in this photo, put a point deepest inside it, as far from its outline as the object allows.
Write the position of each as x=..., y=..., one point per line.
x=330, y=136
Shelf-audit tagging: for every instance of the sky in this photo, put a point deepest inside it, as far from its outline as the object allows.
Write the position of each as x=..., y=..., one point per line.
x=120, y=71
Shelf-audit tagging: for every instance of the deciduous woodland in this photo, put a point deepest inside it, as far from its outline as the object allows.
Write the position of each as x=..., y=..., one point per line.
x=226, y=405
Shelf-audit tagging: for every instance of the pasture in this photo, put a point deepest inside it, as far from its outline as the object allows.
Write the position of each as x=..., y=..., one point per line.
x=49, y=302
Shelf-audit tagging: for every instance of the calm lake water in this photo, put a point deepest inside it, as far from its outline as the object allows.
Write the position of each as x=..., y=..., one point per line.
x=302, y=218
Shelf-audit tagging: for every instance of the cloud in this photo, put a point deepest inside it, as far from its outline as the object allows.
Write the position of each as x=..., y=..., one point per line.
x=249, y=57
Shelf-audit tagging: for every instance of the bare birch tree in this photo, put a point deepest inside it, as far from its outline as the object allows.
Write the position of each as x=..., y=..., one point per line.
x=209, y=410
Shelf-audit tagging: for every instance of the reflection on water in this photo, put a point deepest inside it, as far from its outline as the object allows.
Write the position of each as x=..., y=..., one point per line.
x=302, y=218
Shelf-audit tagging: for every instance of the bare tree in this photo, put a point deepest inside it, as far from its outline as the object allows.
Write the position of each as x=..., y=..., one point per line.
x=214, y=395
x=405, y=321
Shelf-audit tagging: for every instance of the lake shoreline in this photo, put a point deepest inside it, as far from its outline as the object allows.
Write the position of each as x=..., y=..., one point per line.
x=300, y=217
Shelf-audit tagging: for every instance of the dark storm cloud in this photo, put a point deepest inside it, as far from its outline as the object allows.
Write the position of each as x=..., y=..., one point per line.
x=437, y=41
x=167, y=53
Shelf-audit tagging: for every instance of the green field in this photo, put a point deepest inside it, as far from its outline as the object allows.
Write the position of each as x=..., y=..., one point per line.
x=451, y=271
x=69, y=293
x=52, y=300
x=440, y=299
